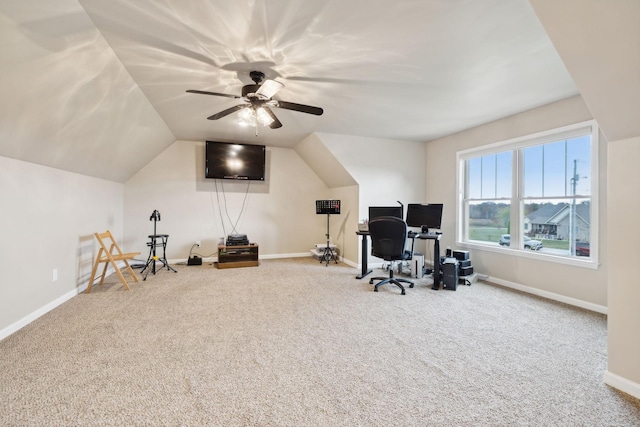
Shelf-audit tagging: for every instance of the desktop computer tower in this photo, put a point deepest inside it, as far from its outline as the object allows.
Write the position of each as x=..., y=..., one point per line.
x=450, y=274
x=417, y=266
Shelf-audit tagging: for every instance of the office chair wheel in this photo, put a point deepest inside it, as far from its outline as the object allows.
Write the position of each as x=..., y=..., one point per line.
x=411, y=285
x=375, y=289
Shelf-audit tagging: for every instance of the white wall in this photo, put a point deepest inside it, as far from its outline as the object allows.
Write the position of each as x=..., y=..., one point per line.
x=279, y=214
x=624, y=292
x=48, y=219
x=584, y=285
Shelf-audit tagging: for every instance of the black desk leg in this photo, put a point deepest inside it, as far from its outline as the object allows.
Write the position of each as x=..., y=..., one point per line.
x=436, y=265
x=364, y=254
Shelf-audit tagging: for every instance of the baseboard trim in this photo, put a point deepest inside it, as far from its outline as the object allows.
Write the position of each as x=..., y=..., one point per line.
x=278, y=256
x=215, y=258
x=546, y=294
x=350, y=263
x=622, y=384
x=14, y=327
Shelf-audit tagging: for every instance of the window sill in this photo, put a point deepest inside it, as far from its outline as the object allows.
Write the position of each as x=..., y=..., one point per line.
x=583, y=262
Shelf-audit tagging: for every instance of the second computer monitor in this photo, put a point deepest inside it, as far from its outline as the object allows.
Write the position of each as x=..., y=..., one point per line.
x=424, y=216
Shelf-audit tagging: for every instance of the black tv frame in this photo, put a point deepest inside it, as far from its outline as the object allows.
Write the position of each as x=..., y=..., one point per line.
x=218, y=154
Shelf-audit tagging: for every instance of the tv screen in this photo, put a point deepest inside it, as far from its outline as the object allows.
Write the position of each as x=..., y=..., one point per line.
x=378, y=211
x=225, y=160
x=424, y=216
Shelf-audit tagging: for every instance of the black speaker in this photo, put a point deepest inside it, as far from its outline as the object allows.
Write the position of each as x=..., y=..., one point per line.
x=466, y=271
x=461, y=255
x=464, y=263
x=450, y=274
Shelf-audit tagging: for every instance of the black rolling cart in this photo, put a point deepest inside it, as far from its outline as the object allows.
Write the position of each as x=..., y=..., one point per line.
x=328, y=207
x=156, y=241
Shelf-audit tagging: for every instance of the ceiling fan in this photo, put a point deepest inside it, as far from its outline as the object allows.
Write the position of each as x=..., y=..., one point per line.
x=258, y=99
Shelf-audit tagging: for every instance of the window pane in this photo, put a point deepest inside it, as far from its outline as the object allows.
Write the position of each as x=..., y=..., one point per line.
x=551, y=226
x=503, y=187
x=488, y=221
x=554, y=170
x=489, y=176
x=474, y=181
x=579, y=159
x=558, y=169
x=533, y=171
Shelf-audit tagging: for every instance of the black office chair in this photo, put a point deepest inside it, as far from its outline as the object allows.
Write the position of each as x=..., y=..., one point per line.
x=388, y=241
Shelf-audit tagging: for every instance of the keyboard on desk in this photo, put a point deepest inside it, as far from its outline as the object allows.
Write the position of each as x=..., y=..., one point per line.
x=413, y=234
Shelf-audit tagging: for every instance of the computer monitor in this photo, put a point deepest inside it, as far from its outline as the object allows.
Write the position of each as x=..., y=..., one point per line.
x=378, y=211
x=424, y=216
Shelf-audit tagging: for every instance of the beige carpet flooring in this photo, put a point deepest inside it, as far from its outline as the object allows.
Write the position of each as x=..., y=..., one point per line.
x=297, y=343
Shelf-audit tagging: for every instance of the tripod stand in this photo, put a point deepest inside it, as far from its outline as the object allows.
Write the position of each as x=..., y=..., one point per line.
x=155, y=241
x=328, y=253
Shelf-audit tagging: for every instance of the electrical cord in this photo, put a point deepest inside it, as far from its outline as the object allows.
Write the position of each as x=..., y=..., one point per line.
x=224, y=196
x=234, y=230
x=191, y=250
x=224, y=231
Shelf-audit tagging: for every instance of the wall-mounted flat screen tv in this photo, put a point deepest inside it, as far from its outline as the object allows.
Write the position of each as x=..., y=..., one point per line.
x=225, y=160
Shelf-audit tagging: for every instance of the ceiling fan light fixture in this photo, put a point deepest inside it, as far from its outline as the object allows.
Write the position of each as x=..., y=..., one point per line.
x=254, y=115
x=246, y=117
x=263, y=117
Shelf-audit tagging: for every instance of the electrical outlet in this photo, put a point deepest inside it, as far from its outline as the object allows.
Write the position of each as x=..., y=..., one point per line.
x=198, y=243
x=54, y=275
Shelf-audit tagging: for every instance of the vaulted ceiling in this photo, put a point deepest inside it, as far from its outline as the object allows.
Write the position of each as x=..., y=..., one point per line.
x=99, y=87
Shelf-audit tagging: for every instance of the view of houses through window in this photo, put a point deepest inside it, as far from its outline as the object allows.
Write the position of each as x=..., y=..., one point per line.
x=540, y=186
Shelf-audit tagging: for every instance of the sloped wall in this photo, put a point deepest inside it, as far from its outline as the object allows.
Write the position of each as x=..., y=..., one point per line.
x=49, y=217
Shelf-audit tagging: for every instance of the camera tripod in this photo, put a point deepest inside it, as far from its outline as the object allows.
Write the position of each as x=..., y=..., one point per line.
x=156, y=240
x=328, y=254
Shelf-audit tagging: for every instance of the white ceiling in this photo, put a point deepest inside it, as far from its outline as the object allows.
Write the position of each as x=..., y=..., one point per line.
x=410, y=70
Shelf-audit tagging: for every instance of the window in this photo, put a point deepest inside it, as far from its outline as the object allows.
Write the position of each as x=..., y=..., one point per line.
x=534, y=196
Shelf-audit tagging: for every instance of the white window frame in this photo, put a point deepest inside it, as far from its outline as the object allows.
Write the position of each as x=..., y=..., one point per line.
x=517, y=202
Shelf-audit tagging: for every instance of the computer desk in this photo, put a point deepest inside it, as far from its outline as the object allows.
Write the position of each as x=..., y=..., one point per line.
x=436, y=253
x=412, y=235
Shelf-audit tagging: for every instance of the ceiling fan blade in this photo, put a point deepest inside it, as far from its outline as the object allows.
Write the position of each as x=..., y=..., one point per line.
x=228, y=111
x=269, y=88
x=300, y=107
x=204, y=92
x=276, y=123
